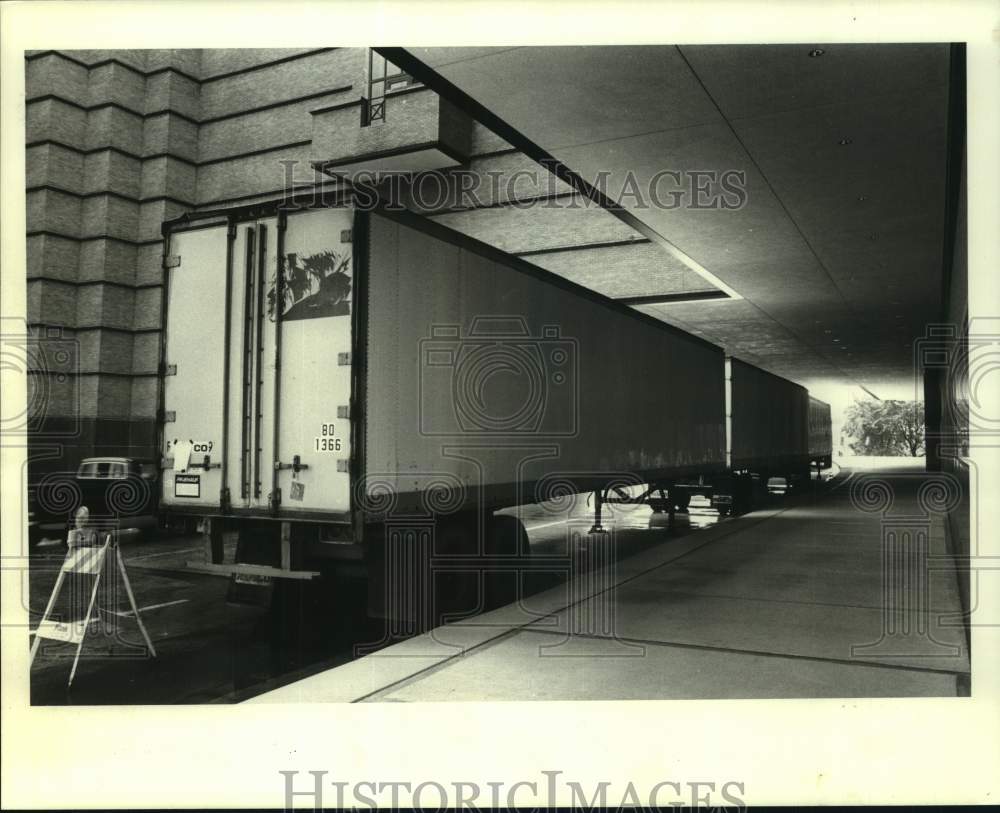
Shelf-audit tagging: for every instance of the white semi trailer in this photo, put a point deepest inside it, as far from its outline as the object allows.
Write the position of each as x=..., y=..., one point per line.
x=362, y=390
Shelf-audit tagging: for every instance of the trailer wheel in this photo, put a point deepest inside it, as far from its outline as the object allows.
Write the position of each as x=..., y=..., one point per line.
x=799, y=481
x=506, y=538
x=744, y=499
x=454, y=592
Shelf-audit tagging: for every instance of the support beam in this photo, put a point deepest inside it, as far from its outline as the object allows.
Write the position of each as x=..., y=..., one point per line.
x=406, y=61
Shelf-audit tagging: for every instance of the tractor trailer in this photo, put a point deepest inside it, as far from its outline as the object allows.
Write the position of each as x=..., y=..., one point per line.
x=820, y=434
x=774, y=429
x=362, y=390
x=356, y=390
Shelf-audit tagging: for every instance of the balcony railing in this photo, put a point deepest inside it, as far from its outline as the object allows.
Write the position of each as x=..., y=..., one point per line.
x=372, y=110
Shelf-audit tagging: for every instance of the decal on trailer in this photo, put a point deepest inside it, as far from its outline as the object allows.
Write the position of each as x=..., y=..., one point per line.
x=252, y=578
x=184, y=450
x=314, y=286
x=187, y=485
x=327, y=440
x=197, y=446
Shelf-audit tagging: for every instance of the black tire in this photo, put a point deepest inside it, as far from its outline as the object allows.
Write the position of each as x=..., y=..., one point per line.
x=800, y=482
x=744, y=499
x=681, y=500
x=455, y=593
x=507, y=538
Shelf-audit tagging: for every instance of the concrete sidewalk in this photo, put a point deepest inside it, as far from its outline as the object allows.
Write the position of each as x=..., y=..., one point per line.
x=818, y=598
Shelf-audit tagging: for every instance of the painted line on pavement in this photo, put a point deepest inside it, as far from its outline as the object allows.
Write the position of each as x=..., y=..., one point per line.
x=153, y=607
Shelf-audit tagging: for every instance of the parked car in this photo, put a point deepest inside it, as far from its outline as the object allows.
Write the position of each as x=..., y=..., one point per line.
x=119, y=491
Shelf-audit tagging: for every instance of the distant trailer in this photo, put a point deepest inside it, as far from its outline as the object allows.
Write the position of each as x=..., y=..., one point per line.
x=767, y=437
x=362, y=390
x=820, y=434
x=768, y=421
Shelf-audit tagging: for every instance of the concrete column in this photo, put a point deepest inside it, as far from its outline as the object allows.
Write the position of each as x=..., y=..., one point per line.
x=932, y=417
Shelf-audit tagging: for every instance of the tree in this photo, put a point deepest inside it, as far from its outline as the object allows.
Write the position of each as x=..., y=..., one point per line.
x=886, y=428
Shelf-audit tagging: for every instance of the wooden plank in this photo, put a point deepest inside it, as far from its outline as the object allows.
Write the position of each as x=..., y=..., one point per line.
x=252, y=570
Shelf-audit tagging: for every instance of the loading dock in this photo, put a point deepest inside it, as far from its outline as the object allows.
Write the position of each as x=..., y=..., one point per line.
x=288, y=412
x=733, y=611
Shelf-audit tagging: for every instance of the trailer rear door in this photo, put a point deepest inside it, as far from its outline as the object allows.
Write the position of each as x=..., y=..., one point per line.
x=193, y=377
x=306, y=407
x=275, y=419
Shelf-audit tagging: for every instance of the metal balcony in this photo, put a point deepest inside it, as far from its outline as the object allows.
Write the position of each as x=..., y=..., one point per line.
x=412, y=130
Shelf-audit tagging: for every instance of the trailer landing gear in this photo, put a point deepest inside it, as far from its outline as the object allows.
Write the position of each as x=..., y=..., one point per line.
x=622, y=497
x=597, y=527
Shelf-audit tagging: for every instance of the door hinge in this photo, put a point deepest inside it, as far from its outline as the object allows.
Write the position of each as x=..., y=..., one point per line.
x=342, y=465
x=172, y=261
x=346, y=236
x=344, y=413
x=168, y=416
x=344, y=359
x=168, y=369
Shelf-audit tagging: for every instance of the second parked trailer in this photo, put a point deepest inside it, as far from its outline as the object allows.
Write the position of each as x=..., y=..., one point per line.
x=769, y=424
x=820, y=434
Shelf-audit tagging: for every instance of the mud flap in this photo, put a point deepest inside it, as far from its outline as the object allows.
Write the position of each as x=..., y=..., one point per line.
x=256, y=546
x=250, y=589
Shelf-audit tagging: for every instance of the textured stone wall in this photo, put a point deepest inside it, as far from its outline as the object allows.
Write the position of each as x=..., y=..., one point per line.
x=116, y=143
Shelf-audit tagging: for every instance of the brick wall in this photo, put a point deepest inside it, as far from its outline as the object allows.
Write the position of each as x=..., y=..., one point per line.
x=119, y=141
x=116, y=143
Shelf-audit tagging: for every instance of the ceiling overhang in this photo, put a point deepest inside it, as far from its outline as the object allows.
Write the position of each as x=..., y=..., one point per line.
x=832, y=266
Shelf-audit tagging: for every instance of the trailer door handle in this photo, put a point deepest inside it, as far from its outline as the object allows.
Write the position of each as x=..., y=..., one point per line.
x=296, y=465
x=205, y=464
